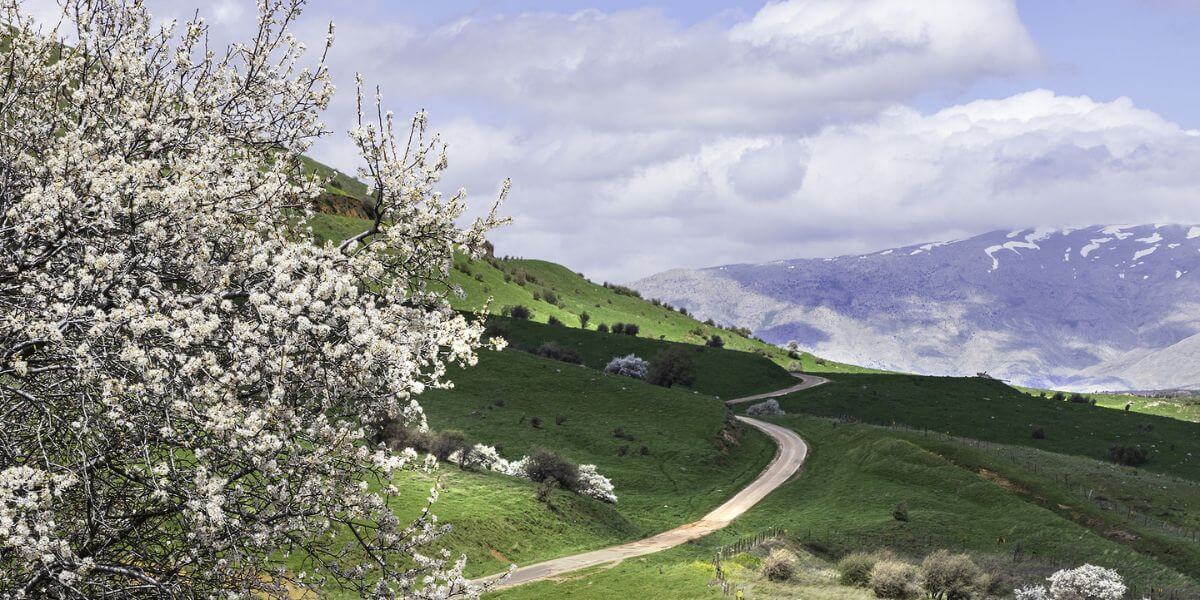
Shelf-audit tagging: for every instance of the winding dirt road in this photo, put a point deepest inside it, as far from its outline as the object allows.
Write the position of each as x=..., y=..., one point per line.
x=789, y=457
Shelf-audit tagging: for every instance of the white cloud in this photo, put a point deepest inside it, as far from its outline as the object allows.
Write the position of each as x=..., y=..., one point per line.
x=638, y=144
x=1032, y=159
x=793, y=64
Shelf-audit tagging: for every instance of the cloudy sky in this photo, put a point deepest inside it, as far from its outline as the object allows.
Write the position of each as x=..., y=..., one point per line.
x=643, y=135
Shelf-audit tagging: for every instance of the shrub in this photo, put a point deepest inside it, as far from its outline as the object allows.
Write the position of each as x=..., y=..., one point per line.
x=536, y=422
x=560, y=419
x=544, y=490
x=399, y=437
x=671, y=367
x=770, y=408
x=894, y=579
x=631, y=329
x=628, y=366
x=780, y=565
x=602, y=328
x=517, y=312
x=553, y=320
x=644, y=451
x=948, y=576
x=554, y=351
x=550, y=297
x=1059, y=396
x=715, y=342
x=1131, y=456
x=1080, y=399
x=443, y=444
x=855, y=569
x=545, y=464
x=1039, y=433
x=618, y=328
x=583, y=320
x=900, y=513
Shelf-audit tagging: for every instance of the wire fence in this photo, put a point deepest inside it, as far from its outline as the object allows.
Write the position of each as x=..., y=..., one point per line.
x=728, y=588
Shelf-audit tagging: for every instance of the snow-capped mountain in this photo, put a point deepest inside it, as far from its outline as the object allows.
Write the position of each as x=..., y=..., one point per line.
x=1107, y=307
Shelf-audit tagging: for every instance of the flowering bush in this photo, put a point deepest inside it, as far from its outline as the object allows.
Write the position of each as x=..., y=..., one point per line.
x=770, y=408
x=628, y=366
x=595, y=485
x=185, y=377
x=1031, y=592
x=584, y=480
x=1088, y=582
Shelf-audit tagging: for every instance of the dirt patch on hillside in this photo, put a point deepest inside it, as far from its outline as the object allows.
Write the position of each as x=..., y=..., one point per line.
x=999, y=480
x=498, y=555
x=335, y=204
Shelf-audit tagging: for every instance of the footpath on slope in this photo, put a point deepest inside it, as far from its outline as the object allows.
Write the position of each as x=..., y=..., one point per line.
x=790, y=455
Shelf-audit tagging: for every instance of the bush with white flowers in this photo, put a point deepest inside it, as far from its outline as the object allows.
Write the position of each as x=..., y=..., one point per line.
x=1088, y=582
x=590, y=482
x=595, y=485
x=628, y=366
x=185, y=377
x=770, y=408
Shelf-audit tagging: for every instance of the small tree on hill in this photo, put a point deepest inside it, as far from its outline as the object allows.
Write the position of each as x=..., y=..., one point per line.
x=517, y=312
x=671, y=367
x=583, y=320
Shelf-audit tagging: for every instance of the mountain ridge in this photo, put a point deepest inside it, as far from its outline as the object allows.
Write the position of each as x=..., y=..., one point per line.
x=1105, y=306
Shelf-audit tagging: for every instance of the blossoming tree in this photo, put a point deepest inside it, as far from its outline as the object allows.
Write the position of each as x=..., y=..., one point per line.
x=185, y=378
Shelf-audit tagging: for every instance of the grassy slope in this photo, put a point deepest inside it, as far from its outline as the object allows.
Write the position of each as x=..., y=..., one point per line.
x=689, y=470
x=991, y=411
x=843, y=502
x=484, y=280
x=686, y=472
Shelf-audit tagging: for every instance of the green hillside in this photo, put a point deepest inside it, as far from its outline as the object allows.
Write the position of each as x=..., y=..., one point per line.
x=534, y=283
x=990, y=410
x=844, y=501
x=1022, y=507
x=719, y=372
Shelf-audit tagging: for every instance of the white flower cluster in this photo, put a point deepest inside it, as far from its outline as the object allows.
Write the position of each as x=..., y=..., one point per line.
x=595, y=485
x=186, y=379
x=1088, y=582
x=591, y=482
x=628, y=366
x=770, y=408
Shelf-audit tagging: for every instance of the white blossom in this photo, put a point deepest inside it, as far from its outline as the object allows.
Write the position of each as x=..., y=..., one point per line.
x=1088, y=582
x=186, y=379
x=628, y=366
